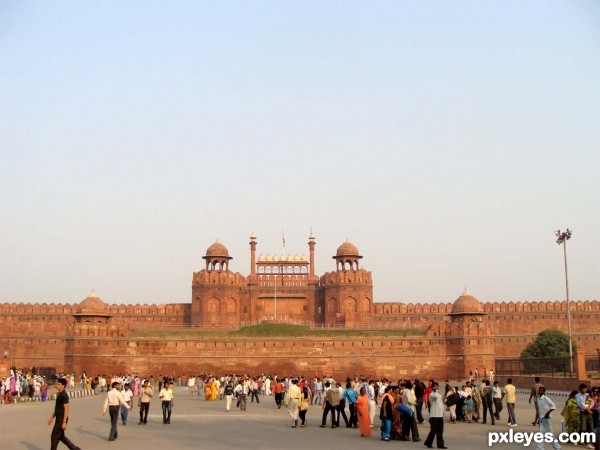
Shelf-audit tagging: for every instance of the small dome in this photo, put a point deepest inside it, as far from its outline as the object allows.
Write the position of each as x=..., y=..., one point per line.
x=269, y=258
x=304, y=258
x=217, y=250
x=92, y=306
x=275, y=258
x=261, y=258
x=347, y=249
x=467, y=304
x=296, y=257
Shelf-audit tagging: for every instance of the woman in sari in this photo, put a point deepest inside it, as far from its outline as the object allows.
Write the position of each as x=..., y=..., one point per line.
x=362, y=408
x=214, y=389
x=571, y=414
x=396, y=434
x=207, y=389
x=386, y=414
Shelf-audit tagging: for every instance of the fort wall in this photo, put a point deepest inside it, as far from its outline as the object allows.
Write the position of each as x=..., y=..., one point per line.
x=51, y=335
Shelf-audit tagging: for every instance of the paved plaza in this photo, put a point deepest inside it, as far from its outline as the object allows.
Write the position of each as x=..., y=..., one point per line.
x=200, y=424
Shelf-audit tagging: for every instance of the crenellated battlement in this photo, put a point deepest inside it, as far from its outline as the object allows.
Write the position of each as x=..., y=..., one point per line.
x=218, y=277
x=152, y=309
x=359, y=276
x=67, y=309
x=413, y=308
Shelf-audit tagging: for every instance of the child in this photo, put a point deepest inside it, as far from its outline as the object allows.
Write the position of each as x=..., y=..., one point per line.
x=468, y=408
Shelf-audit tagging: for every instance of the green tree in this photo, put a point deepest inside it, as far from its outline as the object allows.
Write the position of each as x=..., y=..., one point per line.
x=550, y=342
x=549, y=353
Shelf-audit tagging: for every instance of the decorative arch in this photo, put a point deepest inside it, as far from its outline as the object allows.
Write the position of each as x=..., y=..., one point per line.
x=231, y=306
x=332, y=305
x=213, y=306
x=365, y=305
x=349, y=305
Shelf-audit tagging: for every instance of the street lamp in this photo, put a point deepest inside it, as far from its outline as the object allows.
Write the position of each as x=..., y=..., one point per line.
x=562, y=239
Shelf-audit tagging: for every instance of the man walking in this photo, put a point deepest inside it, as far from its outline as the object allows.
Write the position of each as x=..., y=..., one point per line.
x=144, y=402
x=545, y=407
x=278, y=391
x=166, y=395
x=372, y=402
x=330, y=403
x=436, y=418
x=254, y=391
x=127, y=396
x=294, y=394
x=419, y=393
x=241, y=392
x=351, y=397
x=114, y=400
x=61, y=413
x=498, y=395
x=535, y=389
x=487, y=400
x=318, y=398
x=341, y=407
x=585, y=410
x=511, y=399
x=228, y=396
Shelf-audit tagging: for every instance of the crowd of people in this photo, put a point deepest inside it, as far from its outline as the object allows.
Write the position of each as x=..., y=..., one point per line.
x=23, y=384
x=354, y=403
x=400, y=406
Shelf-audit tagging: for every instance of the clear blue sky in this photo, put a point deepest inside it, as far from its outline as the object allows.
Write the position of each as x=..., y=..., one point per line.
x=446, y=140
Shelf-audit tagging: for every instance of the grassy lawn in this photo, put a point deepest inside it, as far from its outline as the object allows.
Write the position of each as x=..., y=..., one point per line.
x=273, y=330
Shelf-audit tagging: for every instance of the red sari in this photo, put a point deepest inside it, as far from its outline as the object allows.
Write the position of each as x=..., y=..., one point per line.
x=364, y=421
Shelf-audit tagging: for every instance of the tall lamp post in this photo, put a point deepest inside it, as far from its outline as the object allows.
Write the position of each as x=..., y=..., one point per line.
x=562, y=239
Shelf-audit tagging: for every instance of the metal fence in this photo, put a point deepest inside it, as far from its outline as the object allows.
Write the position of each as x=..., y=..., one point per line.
x=556, y=367
x=592, y=364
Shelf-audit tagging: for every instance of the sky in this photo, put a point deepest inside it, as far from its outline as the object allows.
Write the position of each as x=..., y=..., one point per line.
x=447, y=140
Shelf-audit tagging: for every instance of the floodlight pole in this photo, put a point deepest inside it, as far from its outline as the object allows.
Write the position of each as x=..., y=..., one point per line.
x=562, y=239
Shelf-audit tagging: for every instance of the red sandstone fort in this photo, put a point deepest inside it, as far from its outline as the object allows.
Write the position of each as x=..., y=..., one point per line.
x=451, y=338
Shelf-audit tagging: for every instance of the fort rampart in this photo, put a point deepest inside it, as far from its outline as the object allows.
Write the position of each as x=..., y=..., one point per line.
x=49, y=335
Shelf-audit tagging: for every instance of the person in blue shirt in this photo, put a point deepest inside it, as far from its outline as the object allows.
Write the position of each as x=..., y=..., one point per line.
x=350, y=397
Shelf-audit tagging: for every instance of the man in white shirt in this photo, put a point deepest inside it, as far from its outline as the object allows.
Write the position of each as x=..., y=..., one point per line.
x=127, y=395
x=372, y=403
x=409, y=424
x=114, y=400
x=192, y=385
x=545, y=407
x=146, y=393
x=341, y=408
x=168, y=401
x=436, y=418
x=318, y=397
x=498, y=396
x=241, y=392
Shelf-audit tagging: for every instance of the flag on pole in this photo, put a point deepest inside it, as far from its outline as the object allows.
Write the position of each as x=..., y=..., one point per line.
x=283, y=238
